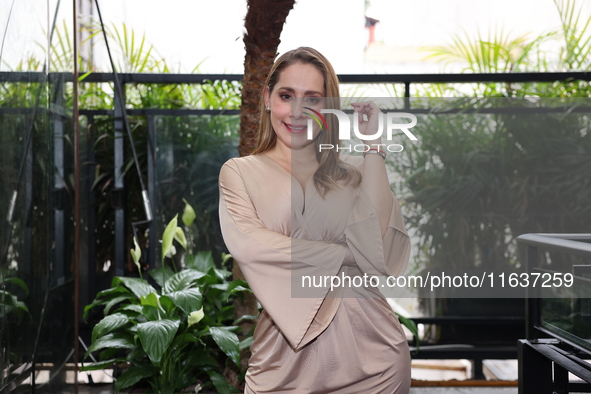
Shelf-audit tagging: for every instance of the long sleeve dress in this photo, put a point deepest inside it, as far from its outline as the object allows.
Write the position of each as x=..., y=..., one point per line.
x=314, y=340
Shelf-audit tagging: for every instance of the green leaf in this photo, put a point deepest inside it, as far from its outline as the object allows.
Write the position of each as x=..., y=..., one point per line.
x=101, y=364
x=9, y=299
x=246, y=343
x=412, y=328
x=238, y=285
x=114, y=302
x=161, y=275
x=168, y=236
x=243, y=318
x=182, y=280
x=184, y=339
x=151, y=312
x=118, y=340
x=104, y=297
x=187, y=300
x=138, y=357
x=221, y=273
x=201, y=357
x=113, y=291
x=220, y=286
x=19, y=282
x=167, y=304
x=188, y=214
x=156, y=336
x=88, y=308
x=225, y=258
x=109, y=353
x=202, y=261
x=139, y=287
x=109, y=324
x=102, y=176
x=227, y=341
x=131, y=376
x=9, y=303
x=150, y=299
x=220, y=383
x=130, y=308
x=83, y=76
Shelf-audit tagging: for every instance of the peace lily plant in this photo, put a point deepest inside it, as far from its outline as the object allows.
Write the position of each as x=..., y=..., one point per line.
x=175, y=332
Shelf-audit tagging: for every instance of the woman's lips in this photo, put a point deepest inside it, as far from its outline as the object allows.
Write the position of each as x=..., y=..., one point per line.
x=292, y=128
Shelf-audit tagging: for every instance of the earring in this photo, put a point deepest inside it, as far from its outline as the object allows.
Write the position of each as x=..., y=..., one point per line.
x=268, y=109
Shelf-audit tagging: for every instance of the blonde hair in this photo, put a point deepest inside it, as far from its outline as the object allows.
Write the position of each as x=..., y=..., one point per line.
x=332, y=168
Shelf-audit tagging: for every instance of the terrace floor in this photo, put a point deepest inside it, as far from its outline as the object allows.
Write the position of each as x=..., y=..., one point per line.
x=414, y=390
x=429, y=377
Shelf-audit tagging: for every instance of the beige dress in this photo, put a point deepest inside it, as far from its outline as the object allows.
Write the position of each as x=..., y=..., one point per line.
x=314, y=340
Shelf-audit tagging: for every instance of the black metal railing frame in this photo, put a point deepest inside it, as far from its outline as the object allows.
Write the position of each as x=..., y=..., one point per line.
x=545, y=357
x=59, y=79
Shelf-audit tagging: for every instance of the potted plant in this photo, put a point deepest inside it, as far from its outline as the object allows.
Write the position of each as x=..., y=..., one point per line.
x=174, y=332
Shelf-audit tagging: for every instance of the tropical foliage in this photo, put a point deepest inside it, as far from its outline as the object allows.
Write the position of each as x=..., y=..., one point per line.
x=500, y=159
x=175, y=331
x=9, y=300
x=565, y=48
x=478, y=180
x=207, y=142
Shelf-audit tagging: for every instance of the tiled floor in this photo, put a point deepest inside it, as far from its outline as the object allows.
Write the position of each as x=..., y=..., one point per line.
x=463, y=390
x=429, y=370
x=413, y=390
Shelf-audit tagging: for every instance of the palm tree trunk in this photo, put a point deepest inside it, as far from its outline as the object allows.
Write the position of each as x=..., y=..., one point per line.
x=264, y=23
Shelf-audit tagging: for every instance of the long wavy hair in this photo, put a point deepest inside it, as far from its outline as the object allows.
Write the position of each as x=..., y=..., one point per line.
x=331, y=169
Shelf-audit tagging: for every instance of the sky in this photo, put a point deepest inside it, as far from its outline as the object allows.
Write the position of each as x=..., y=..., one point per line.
x=190, y=32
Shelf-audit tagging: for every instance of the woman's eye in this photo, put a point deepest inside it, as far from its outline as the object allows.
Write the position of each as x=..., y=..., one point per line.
x=285, y=96
x=313, y=100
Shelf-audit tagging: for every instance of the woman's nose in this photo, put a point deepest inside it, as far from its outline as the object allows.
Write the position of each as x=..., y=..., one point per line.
x=296, y=108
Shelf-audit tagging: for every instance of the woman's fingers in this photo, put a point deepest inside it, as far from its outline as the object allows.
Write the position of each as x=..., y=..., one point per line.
x=368, y=118
x=367, y=108
x=365, y=105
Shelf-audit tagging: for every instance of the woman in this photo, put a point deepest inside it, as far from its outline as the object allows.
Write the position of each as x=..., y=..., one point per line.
x=291, y=211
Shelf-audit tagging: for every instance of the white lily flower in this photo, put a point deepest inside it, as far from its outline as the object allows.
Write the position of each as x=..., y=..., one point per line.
x=196, y=316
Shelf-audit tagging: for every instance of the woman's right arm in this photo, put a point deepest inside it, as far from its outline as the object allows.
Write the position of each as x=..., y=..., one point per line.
x=272, y=263
x=249, y=240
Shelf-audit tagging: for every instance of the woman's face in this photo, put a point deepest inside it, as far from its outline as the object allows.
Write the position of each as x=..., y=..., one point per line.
x=299, y=85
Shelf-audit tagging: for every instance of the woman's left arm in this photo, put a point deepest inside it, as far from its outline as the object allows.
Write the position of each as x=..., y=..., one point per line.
x=384, y=220
x=375, y=178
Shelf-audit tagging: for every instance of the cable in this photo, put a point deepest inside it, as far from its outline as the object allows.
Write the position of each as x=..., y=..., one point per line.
x=30, y=125
x=118, y=91
x=14, y=197
x=57, y=371
x=93, y=358
x=6, y=30
x=13, y=200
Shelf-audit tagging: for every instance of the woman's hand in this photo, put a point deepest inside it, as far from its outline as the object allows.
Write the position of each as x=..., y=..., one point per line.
x=375, y=177
x=369, y=126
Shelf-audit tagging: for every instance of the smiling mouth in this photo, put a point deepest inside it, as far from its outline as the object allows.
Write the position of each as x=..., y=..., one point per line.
x=296, y=128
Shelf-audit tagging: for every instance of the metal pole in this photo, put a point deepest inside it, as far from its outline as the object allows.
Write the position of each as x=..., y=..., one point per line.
x=119, y=181
x=85, y=37
x=532, y=300
x=152, y=189
x=76, y=198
